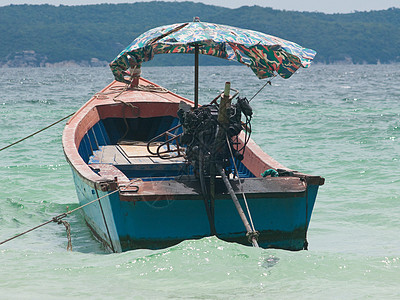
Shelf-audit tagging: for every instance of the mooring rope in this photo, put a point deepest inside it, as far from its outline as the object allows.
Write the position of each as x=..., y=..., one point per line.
x=47, y=127
x=58, y=219
x=149, y=88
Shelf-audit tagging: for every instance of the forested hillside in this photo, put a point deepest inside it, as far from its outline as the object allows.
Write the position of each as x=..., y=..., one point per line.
x=42, y=34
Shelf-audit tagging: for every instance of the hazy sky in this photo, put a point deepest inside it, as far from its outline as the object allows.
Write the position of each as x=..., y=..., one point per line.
x=326, y=6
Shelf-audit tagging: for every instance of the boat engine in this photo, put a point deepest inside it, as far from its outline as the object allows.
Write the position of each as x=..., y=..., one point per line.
x=200, y=127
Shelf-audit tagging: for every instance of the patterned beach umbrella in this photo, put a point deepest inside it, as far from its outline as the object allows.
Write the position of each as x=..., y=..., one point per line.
x=265, y=54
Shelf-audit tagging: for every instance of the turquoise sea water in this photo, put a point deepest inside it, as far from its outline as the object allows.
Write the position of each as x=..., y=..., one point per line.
x=340, y=122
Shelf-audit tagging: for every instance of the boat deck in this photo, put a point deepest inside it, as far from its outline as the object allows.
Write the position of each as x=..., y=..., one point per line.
x=134, y=160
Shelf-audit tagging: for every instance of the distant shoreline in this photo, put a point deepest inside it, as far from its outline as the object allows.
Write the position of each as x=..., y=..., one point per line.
x=102, y=64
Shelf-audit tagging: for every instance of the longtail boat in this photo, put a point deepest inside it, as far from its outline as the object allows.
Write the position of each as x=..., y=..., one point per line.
x=153, y=168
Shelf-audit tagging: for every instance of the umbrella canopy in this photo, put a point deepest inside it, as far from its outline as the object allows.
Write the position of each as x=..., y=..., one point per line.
x=265, y=54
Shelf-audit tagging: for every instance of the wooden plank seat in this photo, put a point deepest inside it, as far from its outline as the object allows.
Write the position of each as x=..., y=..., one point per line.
x=134, y=160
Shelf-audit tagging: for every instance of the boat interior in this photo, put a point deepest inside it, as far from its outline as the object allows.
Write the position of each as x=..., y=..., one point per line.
x=138, y=147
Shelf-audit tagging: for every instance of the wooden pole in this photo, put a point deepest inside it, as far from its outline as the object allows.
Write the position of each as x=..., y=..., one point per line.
x=196, y=76
x=223, y=119
x=237, y=204
x=224, y=105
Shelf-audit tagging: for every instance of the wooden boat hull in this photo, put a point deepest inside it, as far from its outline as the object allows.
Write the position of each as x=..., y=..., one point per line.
x=163, y=210
x=282, y=220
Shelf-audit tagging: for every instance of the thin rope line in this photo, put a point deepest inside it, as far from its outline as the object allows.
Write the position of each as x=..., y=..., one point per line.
x=58, y=218
x=98, y=199
x=241, y=187
x=61, y=216
x=268, y=82
x=36, y=132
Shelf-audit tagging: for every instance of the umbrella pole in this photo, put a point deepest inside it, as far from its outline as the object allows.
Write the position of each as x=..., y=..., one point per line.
x=196, y=76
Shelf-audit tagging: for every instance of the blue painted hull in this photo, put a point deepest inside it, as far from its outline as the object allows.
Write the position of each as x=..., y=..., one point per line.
x=124, y=225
